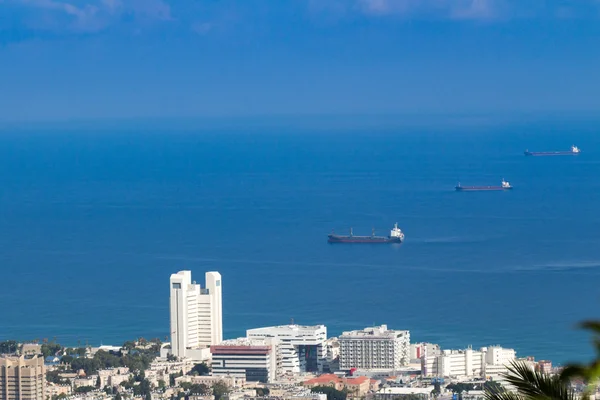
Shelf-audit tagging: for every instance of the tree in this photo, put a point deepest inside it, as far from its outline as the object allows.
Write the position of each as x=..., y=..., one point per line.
x=590, y=373
x=98, y=382
x=84, y=389
x=118, y=396
x=437, y=389
x=220, y=389
x=50, y=349
x=67, y=359
x=263, y=392
x=162, y=384
x=129, y=345
x=332, y=393
x=199, y=389
x=459, y=388
x=8, y=347
x=199, y=369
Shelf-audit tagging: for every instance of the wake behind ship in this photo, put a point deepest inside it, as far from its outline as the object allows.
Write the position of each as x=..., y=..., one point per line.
x=395, y=236
x=573, y=152
x=504, y=186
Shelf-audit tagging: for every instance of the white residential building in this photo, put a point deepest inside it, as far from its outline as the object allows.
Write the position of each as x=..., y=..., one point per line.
x=486, y=362
x=299, y=348
x=374, y=348
x=196, y=313
x=418, y=350
x=253, y=360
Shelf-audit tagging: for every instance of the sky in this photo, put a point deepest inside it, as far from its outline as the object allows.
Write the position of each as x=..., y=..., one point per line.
x=107, y=59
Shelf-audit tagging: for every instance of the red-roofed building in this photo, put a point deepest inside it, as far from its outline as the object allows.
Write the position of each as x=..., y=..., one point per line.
x=357, y=387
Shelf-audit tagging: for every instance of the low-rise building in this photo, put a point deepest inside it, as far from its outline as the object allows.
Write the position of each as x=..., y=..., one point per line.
x=253, y=360
x=395, y=393
x=113, y=376
x=545, y=367
x=356, y=386
x=85, y=381
x=376, y=348
x=488, y=362
x=31, y=349
x=53, y=389
x=209, y=380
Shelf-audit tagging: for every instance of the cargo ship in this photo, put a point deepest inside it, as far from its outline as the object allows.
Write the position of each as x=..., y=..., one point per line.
x=504, y=186
x=395, y=236
x=573, y=152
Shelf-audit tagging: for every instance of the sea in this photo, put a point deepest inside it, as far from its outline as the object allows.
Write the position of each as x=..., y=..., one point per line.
x=94, y=221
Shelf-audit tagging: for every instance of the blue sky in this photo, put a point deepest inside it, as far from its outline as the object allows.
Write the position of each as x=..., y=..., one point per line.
x=77, y=59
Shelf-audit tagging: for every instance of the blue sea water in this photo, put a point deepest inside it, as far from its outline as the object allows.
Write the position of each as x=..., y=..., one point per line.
x=93, y=224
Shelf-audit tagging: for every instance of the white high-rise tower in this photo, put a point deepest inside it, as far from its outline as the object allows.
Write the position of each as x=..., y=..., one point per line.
x=196, y=313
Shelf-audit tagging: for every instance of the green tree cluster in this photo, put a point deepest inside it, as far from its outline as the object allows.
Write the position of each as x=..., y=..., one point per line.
x=136, y=362
x=51, y=349
x=199, y=369
x=332, y=393
x=459, y=388
x=262, y=392
x=220, y=389
x=173, y=376
x=8, y=347
x=195, y=388
x=54, y=377
x=84, y=389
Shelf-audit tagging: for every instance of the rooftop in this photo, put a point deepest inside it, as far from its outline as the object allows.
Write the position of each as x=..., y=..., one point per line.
x=243, y=342
x=374, y=332
x=327, y=378
x=292, y=327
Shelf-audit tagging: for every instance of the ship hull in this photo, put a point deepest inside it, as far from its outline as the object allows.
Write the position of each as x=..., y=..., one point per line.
x=481, y=188
x=362, y=239
x=550, y=153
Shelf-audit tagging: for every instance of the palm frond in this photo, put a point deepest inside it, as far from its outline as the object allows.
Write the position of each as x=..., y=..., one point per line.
x=495, y=394
x=593, y=326
x=532, y=384
x=573, y=371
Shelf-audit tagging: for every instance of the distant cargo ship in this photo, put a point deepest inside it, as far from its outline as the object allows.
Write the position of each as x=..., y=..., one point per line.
x=396, y=236
x=504, y=186
x=573, y=152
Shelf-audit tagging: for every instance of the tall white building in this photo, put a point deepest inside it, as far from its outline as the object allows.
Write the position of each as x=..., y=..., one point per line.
x=486, y=362
x=196, y=313
x=374, y=348
x=299, y=348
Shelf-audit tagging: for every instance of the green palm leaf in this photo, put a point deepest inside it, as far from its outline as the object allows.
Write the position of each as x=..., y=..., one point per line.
x=532, y=385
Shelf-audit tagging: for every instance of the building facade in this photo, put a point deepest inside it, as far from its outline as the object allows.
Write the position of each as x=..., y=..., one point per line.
x=196, y=313
x=418, y=350
x=252, y=360
x=374, y=348
x=299, y=348
x=22, y=378
x=484, y=363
